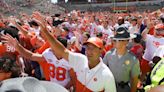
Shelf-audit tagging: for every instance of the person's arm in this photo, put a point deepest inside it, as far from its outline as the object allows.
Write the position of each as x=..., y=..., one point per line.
x=135, y=72
x=77, y=43
x=146, y=30
x=72, y=80
x=20, y=28
x=144, y=33
x=133, y=83
x=22, y=51
x=56, y=46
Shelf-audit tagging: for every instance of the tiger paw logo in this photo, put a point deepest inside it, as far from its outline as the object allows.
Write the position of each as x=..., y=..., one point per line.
x=95, y=79
x=127, y=62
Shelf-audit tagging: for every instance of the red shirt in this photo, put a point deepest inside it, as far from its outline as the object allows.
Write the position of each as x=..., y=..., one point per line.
x=151, y=31
x=137, y=50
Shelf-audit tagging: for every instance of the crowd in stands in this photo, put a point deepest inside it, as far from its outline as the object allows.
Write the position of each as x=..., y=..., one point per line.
x=84, y=51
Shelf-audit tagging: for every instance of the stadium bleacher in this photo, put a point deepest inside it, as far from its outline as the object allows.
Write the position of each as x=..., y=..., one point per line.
x=9, y=7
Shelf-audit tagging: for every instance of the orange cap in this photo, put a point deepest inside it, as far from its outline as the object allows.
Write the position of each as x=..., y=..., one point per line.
x=95, y=41
x=159, y=26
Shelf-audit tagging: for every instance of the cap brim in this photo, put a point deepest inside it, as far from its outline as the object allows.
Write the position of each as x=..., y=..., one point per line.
x=91, y=43
x=132, y=36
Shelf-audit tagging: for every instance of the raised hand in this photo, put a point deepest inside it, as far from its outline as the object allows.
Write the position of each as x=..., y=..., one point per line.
x=41, y=24
x=38, y=16
x=9, y=40
x=149, y=23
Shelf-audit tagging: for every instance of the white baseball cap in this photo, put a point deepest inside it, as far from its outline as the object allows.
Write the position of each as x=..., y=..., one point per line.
x=30, y=84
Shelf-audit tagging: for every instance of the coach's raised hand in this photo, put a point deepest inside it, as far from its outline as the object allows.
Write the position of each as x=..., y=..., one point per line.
x=56, y=46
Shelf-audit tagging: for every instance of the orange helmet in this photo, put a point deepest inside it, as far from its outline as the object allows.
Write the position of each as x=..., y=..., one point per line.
x=95, y=41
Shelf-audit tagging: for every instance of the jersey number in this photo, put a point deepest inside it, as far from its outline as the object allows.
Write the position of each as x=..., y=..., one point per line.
x=10, y=48
x=57, y=72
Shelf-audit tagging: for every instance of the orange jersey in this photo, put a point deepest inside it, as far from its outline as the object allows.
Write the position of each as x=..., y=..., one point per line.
x=4, y=48
x=45, y=66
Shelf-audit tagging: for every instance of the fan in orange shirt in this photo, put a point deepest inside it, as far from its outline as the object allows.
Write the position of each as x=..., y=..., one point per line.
x=5, y=48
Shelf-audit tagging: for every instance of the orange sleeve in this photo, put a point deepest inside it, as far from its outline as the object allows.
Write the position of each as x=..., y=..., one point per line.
x=45, y=67
x=2, y=49
x=43, y=48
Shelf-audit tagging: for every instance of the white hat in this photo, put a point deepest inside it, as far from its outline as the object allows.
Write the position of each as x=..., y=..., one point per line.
x=72, y=40
x=30, y=84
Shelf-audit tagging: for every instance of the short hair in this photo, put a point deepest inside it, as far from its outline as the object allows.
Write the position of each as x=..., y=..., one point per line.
x=162, y=18
x=100, y=34
x=138, y=38
x=87, y=34
x=66, y=29
x=11, y=31
x=8, y=65
x=62, y=40
x=33, y=23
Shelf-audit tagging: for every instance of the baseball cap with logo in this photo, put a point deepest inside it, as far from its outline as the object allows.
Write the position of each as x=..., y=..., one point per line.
x=123, y=34
x=159, y=29
x=29, y=84
x=95, y=41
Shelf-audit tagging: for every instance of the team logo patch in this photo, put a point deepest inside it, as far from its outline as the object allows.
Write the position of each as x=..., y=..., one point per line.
x=95, y=79
x=127, y=62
